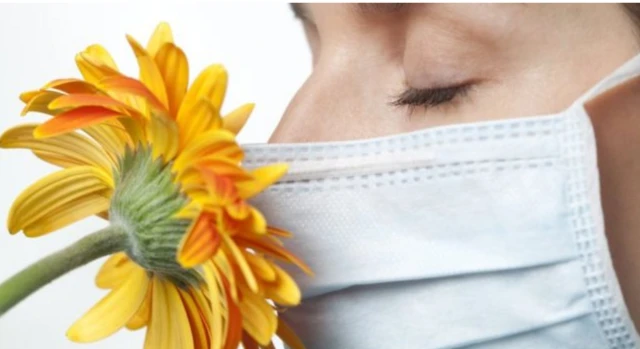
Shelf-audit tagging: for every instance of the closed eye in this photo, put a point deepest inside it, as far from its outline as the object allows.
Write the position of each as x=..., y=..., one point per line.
x=431, y=97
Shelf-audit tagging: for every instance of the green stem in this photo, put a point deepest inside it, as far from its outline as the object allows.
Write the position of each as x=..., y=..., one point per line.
x=40, y=273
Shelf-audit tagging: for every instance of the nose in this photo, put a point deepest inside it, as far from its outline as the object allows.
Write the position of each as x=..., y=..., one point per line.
x=334, y=102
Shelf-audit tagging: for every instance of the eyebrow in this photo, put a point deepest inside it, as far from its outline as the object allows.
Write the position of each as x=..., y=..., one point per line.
x=300, y=10
x=379, y=8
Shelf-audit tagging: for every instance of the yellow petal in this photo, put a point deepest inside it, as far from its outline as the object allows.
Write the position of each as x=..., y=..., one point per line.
x=180, y=328
x=111, y=136
x=70, y=148
x=160, y=36
x=235, y=121
x=83, y=207
x=47, y=202
x=284, y=289
x=39, y=102
x=174, y=68
x=159, y=332
x=142, y=316
x=115, y=271
x=136, y=130
x=92, y=67
x=163, y=134
x=263, y=177
x=241, y=262
x=210, y=84
x=288, y=336
x=202, y=118
x=224, y=266
x=112, y=312
x=215, y=143
x=26, y=96
x=149, y=72
x=264, y=307
x=102, y=55
x=255, y=321
x=215, y=317
x=260, y=267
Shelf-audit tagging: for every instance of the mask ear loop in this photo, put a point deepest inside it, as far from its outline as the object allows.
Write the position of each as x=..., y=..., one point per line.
x=615, y=118
x=625, y=72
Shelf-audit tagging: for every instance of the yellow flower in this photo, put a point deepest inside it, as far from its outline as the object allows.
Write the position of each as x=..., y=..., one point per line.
x=155, y=157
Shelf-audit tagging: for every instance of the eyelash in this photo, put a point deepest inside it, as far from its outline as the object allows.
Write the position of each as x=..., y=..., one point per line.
x=431, y=97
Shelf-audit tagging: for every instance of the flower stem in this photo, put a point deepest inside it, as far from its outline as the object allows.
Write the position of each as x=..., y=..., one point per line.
x=40, y=273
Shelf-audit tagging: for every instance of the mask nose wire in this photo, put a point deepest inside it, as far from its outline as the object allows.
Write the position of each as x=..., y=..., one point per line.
x=358, y=165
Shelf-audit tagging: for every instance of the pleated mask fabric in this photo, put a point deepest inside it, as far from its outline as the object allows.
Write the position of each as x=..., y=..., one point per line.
x=479, y=235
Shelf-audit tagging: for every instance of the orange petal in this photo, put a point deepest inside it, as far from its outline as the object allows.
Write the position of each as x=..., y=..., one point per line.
x=149, y=72
x=74, y=119
x=224, y=167
x=221, y=189
x=126, y=85
x=264, y=246
x=71, y=86
x=201, y=241
x=248, y=342
x=215, y=143
x=241, y=262
x=196, y=321
x=92, y=100
x=234, y=322
x=278, y=232
x=174, y=67
x=220, y=166
x=288, y=336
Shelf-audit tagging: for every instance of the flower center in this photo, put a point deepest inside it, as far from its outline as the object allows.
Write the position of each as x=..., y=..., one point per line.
x=144, y=205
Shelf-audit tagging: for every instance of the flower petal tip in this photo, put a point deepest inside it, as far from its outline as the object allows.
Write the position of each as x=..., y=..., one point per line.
x=38, y=133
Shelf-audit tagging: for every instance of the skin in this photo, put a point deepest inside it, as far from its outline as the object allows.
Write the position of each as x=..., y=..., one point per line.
x=519, y=60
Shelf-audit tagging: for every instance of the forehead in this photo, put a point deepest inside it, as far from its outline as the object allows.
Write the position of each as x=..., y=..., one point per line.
x=302, y=10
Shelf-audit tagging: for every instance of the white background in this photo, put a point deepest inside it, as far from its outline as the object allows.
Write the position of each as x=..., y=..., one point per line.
x=264, y=50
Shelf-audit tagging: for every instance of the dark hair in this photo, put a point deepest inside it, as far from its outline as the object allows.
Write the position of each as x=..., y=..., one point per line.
x=633, y=10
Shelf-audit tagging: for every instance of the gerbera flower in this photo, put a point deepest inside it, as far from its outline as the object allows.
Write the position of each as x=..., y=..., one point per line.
x=156, y=159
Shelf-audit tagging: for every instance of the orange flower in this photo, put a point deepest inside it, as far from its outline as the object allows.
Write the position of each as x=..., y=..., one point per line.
x=156, y=158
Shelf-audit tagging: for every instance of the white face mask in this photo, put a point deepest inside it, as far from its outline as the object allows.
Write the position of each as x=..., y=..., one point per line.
x=480, y=235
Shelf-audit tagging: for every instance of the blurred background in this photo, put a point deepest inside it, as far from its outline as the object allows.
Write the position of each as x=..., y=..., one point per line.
x=263, y=48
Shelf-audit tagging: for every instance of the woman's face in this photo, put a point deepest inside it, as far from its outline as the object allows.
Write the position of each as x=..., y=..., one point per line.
x=381, y=69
